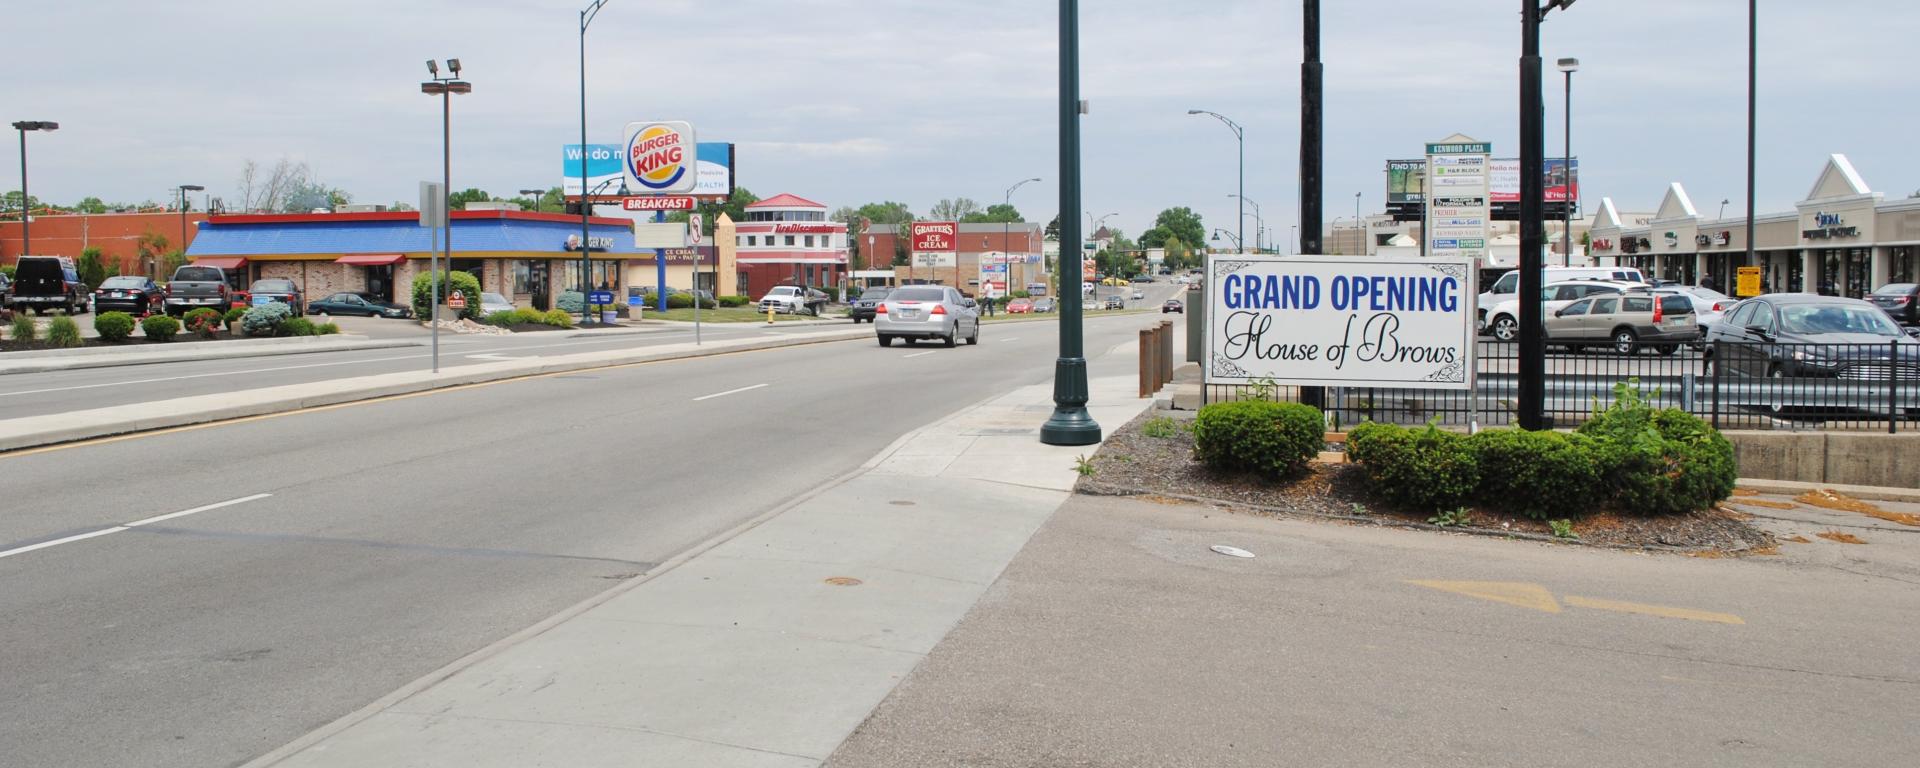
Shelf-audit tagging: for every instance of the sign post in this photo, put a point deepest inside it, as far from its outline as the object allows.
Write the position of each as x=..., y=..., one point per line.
x=1746, y=282
x=695, y=223
x=1458, y=199
x=937, y=244
x=433, y=215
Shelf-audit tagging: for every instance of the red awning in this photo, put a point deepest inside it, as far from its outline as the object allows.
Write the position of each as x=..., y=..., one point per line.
x=371, y=259
x=223, y=262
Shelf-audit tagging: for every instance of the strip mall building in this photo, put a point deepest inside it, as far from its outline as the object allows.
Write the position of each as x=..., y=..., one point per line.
x=1844, y=239
x=530, y=257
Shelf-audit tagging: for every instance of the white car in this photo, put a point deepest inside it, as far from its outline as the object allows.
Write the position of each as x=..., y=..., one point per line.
x=1137, y=295
x=493, y=302
x=926, y=312
x=1503, y=319
x=1709, y=305
x=1508, y=286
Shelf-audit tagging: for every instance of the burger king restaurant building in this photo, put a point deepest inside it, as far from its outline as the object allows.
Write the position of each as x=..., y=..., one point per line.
x=1843, y=239
x=530, y=257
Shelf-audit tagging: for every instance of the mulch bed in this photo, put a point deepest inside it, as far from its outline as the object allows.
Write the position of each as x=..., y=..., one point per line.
x=136, y=340
x=534, y=328
x=1132, y=463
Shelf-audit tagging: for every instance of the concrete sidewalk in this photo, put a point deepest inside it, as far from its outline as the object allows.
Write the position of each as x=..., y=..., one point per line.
x=766, y=647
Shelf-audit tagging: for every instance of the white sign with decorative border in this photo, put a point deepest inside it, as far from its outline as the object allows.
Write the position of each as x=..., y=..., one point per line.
x=1332, y=322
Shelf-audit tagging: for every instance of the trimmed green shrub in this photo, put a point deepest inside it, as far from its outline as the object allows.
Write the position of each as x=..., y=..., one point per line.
x=464, y=282
x=679, y=301
x=572, y=302
x=558, y=318
x=326, y=329
x=1658, y=462
x=1422, y=469
x=233, y=315
x=502, y=318
x=733, y=301
x=1357, y=438
x=1270, y=439
x=266, y=319
x=114, y=326
x=159, y=327
x=528, y=315
x=64, y=332
x=205, y=321
x=1540, y=475
x=23, y=327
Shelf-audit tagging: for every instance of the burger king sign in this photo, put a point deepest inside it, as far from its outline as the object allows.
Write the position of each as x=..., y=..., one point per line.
x=660, y=158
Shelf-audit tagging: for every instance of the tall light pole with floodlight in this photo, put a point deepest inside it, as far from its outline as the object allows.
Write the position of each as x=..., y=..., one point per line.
x=1006, y=232
x=26, y=206
x=1567, y=67
x=445, y=88
x=586, y=206
x=184, y=189
x=1240, y=137
x=1532, y=371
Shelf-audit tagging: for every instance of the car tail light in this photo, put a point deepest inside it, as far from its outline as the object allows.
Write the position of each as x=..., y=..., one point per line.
x=1657, y=314
x=1719, y=306
x=880, y=310
x=938, y=309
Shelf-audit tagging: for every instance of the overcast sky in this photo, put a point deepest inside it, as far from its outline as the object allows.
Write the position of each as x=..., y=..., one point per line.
x=852, y=101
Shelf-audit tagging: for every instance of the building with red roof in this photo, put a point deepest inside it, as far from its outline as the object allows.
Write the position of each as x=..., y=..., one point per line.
x=787, y=240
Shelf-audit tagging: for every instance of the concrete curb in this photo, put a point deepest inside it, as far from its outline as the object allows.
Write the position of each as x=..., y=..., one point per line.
x=98, y=357
x=1795, y=488
x=38, y=431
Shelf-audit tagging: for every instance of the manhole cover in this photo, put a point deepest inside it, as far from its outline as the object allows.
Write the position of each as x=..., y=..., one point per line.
x=901, y=503
x=843, y=581
x=1230, y=551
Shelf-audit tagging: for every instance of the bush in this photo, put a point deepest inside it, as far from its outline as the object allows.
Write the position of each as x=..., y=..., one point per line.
x=114, y=326
x=1541, y=475
x=1270, y=439
x=526, y=315
x=1657, y=462
x=572, y=302
x=679, y=301
x=733, y=301
x=1422, y=469
x=266, y=319
x=558, y=318
x=1019, y=295
x=298, y=326
x=464, y=282
x=327, y=329
x=64, y=332
x=23, y=327
x=159, y=327
x=502, y=318
x=233, y=315
x=205, y=321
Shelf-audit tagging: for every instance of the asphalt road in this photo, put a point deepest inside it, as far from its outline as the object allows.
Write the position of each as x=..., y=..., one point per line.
x=306, y=564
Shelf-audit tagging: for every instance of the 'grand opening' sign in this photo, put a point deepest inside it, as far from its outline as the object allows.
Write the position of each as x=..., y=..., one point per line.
x=1318, y=321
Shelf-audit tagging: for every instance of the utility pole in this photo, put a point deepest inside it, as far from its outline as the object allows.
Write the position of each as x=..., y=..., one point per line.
x=1311, y=142
x=1070, y=423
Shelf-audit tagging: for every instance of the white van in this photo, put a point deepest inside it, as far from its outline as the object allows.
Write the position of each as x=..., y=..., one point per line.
x=1508, y=286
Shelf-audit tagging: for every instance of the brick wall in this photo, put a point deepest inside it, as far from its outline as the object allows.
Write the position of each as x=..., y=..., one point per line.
x=113, y=233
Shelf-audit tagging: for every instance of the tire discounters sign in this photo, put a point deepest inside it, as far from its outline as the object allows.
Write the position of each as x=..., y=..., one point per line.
x=661, y=158
x=935, y=243
x=1318, y=321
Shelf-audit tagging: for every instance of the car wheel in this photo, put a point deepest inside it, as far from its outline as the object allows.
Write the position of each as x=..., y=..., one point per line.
x=975, y=338
x=953, y=336
x=1625, y=341
x=1505, y=328
x=1668, y=350
x=886, y=341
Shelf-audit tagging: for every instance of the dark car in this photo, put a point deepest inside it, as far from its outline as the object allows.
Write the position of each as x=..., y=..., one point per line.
x=134, y=294
x=862, y=308
x=281, y=290
x=1115, y=301
x=1173, y=305
x=1800, y=335
x=1900, y=301
x=1043, y=304
x=45, y=283
x=352, y=303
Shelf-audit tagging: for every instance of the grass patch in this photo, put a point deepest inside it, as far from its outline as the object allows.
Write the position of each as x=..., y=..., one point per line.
x=727, y=315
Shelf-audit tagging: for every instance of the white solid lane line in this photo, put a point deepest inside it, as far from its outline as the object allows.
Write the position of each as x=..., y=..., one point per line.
x=728, y=392
x=197, y=510
x=1003, y=341
x=919, y=354
x=130, y=526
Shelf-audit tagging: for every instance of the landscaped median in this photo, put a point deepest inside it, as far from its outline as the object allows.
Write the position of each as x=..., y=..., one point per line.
x=106, y=356
x=35, y=431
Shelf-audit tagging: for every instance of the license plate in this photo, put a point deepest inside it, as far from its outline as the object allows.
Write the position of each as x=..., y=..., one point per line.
x=909, y=314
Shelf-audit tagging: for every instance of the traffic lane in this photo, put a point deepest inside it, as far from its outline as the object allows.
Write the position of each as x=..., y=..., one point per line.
x=401, y=535
x=38, y=394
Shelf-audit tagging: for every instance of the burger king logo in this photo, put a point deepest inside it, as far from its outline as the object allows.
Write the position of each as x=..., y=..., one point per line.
x=660, y=157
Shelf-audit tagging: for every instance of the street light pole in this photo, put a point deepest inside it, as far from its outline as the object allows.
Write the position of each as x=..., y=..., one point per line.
x=1567, y=66
x=1006, y=233
x=184, y=189
x=26, y=204
x=1240, y=137
x=1070, y=423
x=1360, y=247
x=445, y=88
x=1260, y=222
x=1753, y=50
x=1533, y=365
x=586, y=205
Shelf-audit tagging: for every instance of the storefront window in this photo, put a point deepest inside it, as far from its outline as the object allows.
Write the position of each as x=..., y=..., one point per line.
x=1902, y=270
x=1829, y=273
x=1796, y=273
x=522, y=277
x=1859, y=264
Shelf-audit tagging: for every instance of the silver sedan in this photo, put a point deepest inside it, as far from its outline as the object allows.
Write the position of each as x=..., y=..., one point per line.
x=926, y=312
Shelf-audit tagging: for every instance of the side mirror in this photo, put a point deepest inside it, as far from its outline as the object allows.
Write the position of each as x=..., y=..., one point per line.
x=1559, y=313
x=1758, y=330
x=1914, y=331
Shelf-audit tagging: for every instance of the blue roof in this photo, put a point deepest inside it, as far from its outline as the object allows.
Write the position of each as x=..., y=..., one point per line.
x=359, y=236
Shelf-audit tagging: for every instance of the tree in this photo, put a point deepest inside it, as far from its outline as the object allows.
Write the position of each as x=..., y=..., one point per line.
x=954, y=209
x=550, y=201
x=458, y=200
x=306, y=194
x=266, y=190
x=995, y=214
x=90, y=205
x=1053, y=229
x=888, y=213
x=152, y=246
x=1180, y=222
x=92, y=271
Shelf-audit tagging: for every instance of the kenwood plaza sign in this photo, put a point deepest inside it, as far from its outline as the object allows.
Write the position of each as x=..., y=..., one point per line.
x=1318, y=321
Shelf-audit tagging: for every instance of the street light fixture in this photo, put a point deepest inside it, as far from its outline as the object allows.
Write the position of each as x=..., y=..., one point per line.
x=1533, y=365
x=446, y=88
x=537, y=195
x=1567, y=67
x=1359, y=228
x=26, y=206
x=184, y=189
x=1006, y=230
x=1240, y=137
x=1260, y=222
x=1723, y=208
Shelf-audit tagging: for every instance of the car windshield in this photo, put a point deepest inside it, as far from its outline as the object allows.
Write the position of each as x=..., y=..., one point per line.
x=273, y=285
x=1830, y=318
x=1896, y=289
x=124, y=281
x=918, y=294
x=200, y=274
x=875, y=294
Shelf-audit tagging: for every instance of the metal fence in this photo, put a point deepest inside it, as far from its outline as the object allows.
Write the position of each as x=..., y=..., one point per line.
x=1735, y=385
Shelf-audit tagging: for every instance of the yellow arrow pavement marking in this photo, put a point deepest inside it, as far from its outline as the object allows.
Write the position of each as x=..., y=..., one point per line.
x=1518, y=593
x=1664, y=611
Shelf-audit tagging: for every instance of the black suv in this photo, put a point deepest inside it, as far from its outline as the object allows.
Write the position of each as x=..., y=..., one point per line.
x=863, y=308
x=43, y=283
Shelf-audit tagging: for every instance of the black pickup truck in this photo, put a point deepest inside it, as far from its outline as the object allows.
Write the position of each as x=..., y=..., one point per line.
x=45, y=283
